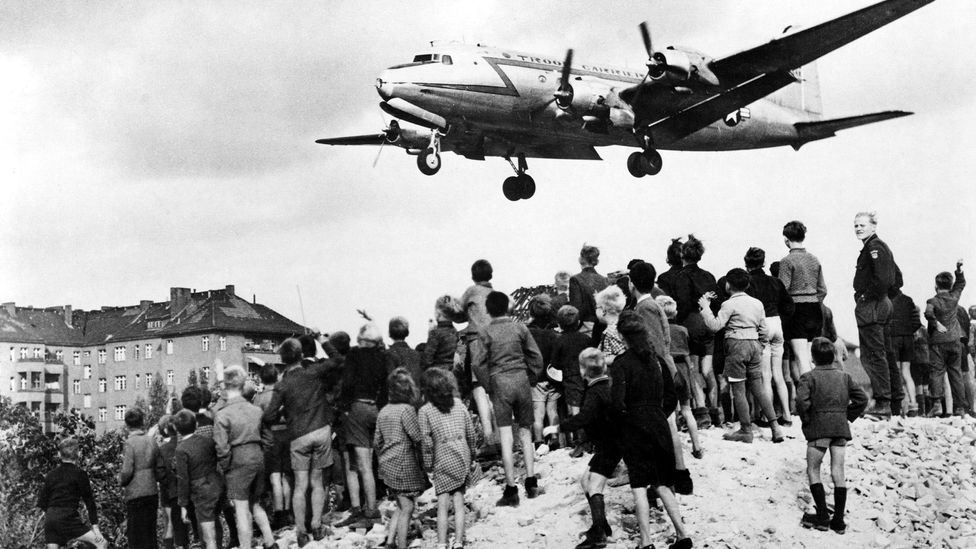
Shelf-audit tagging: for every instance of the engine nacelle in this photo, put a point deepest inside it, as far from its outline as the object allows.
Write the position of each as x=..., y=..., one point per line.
x=681, y=66
x=590, y=99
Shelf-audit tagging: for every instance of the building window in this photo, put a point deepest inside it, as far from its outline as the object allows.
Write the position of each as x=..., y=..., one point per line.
x=36, y=381
x=87, y=401
x=102, y=414
x=138, y=382
x=154, y=324
x=59, y=355
x=87, y=372
x=169, y=346
x=13, y=354
x=87, y=354
x=205, y=343
x=120, y=354
x=23, y=353
x=102, y=356
x=120, y=412
x=76, y=386
x=205, y=374
x=222, y=341
x=169, y=377
x=76, y=358
x=102, y=385
x=135, y=352
x=148, y=351
x=23, y=382
x=38, y=353
x=119, y=383
x=13, y=384
x=149, y=381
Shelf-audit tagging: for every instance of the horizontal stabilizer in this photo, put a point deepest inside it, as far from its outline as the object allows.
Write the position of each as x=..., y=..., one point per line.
x=822, y=129
x=374, y=139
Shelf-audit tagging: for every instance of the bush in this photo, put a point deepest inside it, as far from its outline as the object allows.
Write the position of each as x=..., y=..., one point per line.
x=28, y=454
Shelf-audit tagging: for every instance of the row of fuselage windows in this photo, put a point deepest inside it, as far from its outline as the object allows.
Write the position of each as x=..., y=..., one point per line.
x=120, y=352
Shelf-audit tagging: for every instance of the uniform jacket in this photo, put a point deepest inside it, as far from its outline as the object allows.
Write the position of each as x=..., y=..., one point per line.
x=876, y=274
x=827, y=398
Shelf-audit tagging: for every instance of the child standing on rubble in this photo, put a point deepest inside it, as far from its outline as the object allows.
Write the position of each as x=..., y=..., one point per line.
x=827, y=398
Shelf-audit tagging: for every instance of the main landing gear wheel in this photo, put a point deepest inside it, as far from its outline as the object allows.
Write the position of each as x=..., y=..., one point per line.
x=644, y=163
x=429, y=161
x=518, y=187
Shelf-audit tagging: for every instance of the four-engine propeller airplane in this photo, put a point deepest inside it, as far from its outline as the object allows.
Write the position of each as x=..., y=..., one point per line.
x=480, y=101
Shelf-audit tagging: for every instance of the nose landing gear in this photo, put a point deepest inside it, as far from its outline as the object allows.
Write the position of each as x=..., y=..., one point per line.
x=520, y=186
x=429, y=159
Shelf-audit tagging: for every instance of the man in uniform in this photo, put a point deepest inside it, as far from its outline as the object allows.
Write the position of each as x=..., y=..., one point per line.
x=875, y=276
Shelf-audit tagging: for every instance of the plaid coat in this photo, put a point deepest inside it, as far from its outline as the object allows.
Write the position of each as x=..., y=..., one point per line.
x=397, y=444
x=448, y=445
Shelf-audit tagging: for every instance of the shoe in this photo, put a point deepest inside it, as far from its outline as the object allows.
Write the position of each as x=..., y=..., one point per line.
x=510, y=497
x=698, y=453
x=935, y=410
x=764, y=423
x=683, y=543
x=838, y=525
x=738, y=436
x=878, y=411
x=320, y=531
x=912, y=410
x=896, y=408
x=715, y=415
x=302, y=539
x=577, y=452
x=813, y=520
x=683, y=483
x=777, y=434
x=595, y=538
x=355, y=515
x=531, y=487
x=785, y=421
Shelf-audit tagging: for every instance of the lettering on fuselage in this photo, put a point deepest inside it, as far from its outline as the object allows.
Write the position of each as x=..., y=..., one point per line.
x=544, y=63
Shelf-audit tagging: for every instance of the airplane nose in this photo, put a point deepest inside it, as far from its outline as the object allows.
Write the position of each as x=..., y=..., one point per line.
x=384, y=87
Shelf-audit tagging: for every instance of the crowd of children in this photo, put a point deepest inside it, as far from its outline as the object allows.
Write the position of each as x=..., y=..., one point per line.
x=615, y=367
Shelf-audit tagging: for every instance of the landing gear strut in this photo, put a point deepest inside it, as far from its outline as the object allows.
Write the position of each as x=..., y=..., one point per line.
x=429, y=159
x=520, y=186
x=648, y=162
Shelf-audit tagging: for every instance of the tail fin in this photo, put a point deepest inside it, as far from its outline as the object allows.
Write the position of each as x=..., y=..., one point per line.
x=822, y=129
x=803, y=95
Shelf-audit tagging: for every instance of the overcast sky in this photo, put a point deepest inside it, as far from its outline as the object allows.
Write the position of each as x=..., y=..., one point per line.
x=150, y=145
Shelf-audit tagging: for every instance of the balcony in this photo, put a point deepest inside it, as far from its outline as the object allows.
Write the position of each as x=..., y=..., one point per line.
x=47, y=396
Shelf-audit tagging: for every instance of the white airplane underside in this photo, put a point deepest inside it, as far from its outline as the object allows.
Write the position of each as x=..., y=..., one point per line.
x=479, y=101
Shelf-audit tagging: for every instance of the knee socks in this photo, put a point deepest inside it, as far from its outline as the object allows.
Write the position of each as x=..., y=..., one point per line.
x=819, y=498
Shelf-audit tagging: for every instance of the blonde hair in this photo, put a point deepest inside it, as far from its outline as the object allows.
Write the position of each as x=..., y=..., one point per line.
x=369, y=333
x=668, y=304
x=234, y=377
x=611, y=300
x=872, y=216
x=592, y=362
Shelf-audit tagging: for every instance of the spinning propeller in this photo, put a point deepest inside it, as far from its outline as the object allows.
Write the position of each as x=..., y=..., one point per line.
x=564, y=93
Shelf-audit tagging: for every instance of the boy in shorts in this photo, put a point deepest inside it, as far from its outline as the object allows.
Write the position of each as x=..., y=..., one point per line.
x=237, y=440
x=594, y=417
x=197, y=480
x=827, y=398
x=277, y=458
x=505, y=354
x=62, y=489
x=679, y=353
x=744, y=320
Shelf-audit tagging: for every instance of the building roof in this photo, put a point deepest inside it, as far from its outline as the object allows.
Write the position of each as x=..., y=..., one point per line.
x=186, y=312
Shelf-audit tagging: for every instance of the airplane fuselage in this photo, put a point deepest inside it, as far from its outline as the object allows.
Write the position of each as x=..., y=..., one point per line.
x=477, y=89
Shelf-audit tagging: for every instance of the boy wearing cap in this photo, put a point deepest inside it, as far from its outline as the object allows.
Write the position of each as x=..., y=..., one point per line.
x=63, y=487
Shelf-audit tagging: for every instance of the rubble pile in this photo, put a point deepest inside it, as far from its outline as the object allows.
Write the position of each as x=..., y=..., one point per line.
x=911, y=484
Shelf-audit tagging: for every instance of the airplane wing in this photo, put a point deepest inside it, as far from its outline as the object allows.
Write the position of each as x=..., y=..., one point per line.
x=372, y=139
x=797, y=49
x=697, y=116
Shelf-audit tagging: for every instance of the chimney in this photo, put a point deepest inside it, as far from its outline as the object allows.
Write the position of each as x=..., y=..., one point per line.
x=178, y=298
x=11, y=308
x=229, y=290
x=145, y=304
x=67, y=315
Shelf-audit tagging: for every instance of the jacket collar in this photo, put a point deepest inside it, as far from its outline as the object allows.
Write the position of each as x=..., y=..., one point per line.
x=501, y=320
x=600, y=379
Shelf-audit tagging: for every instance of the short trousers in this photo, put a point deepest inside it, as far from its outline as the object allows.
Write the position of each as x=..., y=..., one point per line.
x=920, y=373
x=245, y=478
x=605, y=460
x=903, y=347
x=704, y=347
x=511, y=396
x=684, y=370
x=806, y=322
x=573, y=392
x=743, y=359
x=827, y=442
x=543, y=393
x=205, y=496
x=361, y=424
x=277, y=459
x=394, y=494
x=774, y=325
x=312, y=450
x=63, y=524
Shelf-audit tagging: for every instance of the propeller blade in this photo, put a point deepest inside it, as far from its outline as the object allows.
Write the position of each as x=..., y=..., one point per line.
x=378, y=153
x=567, y=68
x=646, y=35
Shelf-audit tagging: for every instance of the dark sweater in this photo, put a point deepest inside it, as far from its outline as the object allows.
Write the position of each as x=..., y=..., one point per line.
x=65, y=486
x=364, y=377
x=565, y=355
x=771, y=292
x=596, y=415
x=196, y=470
x=905, y=316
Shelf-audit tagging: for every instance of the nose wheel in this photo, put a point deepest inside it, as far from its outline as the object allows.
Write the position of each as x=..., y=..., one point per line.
x=521, y=186
x=429, y=159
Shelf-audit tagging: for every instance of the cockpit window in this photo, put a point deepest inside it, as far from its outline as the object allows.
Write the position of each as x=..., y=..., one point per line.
x=446, y=59
x=433, y=58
